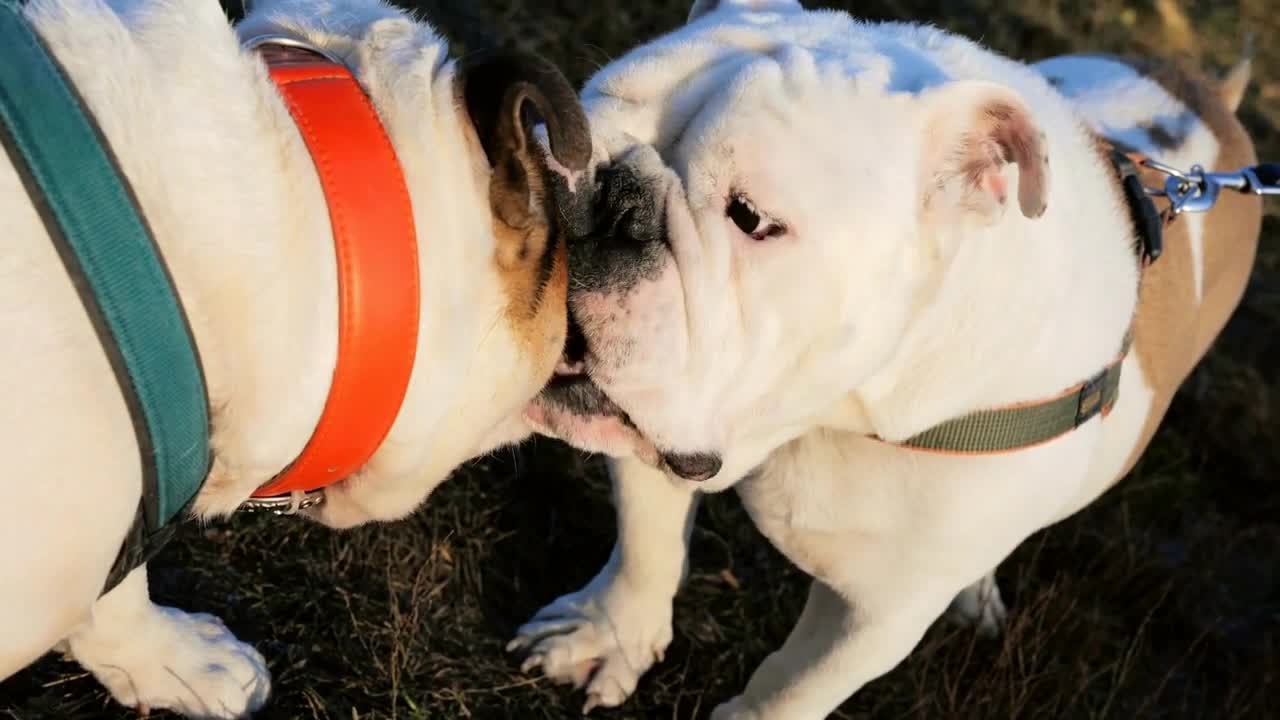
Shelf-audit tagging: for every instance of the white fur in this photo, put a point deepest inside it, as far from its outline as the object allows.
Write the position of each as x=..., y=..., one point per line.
x=1119, y=103
x=605, y=636
x=158, y=657
x=232, y=196
x=876, y=313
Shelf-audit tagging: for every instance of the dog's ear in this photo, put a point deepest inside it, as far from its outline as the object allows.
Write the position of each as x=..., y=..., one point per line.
x=505, y=94
x=973, y=131
x=702, y=7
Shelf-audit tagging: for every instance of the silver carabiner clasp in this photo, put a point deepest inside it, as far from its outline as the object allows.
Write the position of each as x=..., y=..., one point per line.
x=1197, y=190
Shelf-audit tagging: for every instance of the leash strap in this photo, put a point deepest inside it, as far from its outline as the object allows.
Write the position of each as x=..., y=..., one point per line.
x=377, y=254
x=93, y=218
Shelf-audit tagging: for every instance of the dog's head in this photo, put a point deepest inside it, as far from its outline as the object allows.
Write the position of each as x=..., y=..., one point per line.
x=525, y=154
x=775, y=192
x=496, y=152
x=533, y=145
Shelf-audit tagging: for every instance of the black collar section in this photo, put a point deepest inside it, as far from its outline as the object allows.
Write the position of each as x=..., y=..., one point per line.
x=1148, y=222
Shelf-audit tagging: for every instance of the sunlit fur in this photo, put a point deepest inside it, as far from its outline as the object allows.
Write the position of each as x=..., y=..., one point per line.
x=231, y=193
x=902, y=294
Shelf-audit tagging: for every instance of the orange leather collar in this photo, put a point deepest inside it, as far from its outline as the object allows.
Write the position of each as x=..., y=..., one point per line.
x=377, y=258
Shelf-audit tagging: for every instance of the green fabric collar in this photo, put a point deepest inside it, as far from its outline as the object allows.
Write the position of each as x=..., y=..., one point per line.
x=1025, y=425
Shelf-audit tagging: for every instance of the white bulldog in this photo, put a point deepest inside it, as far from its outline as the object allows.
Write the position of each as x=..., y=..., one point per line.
x=233, y=199
x=821, y=237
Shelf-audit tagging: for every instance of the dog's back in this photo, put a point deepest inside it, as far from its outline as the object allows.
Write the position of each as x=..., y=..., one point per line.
x=1174, y=114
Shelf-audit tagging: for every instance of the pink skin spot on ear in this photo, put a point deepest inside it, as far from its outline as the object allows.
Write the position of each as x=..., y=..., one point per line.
x=996, y=185
x=1023, y=143
x=570, y=176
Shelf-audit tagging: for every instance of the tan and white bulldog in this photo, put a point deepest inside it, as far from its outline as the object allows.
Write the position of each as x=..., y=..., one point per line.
x=232, y=196
x=820, y=237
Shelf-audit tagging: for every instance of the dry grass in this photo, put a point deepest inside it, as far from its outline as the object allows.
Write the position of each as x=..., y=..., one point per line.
x=1160, y=601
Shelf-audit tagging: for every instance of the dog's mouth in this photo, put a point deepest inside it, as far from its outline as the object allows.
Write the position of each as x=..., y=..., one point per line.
x=573, y=360
x=571, y=389
x=575, y=409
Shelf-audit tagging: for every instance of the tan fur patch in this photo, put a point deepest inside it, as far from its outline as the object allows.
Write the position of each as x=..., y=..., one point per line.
x=1172, y=331
x=535, y=279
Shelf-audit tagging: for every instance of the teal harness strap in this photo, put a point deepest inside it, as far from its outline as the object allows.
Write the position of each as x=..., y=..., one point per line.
x=94, y=220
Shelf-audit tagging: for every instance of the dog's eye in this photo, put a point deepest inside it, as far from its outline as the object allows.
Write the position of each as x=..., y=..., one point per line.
x=743, y=215
x=749, y=220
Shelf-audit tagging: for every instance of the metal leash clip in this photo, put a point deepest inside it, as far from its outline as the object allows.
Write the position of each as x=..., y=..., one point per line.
x=1197, y=190
x=291, y=504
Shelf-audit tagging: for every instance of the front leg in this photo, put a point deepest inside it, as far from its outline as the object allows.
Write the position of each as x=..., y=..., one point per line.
x=836, y=647
x=152, y=657
x=609, y=633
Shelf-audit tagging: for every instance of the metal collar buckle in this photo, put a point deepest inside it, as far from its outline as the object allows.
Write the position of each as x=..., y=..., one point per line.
x=291, y=504
x=1090, y=398
x=289, y=41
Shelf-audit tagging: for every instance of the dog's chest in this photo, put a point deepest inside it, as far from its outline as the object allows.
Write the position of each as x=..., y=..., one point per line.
x=826, y=498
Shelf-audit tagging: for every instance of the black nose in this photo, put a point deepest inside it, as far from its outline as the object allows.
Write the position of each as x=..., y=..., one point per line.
x=628, y=239
x=693, y=466
x=627, y=209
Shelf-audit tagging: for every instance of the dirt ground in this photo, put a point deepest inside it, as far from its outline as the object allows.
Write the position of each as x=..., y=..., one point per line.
x=1162, y=600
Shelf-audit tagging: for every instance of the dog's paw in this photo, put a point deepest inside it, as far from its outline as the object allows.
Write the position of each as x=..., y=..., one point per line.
x=188, y=663
x=735, y=709
x=980, y=606
x=600, y=637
